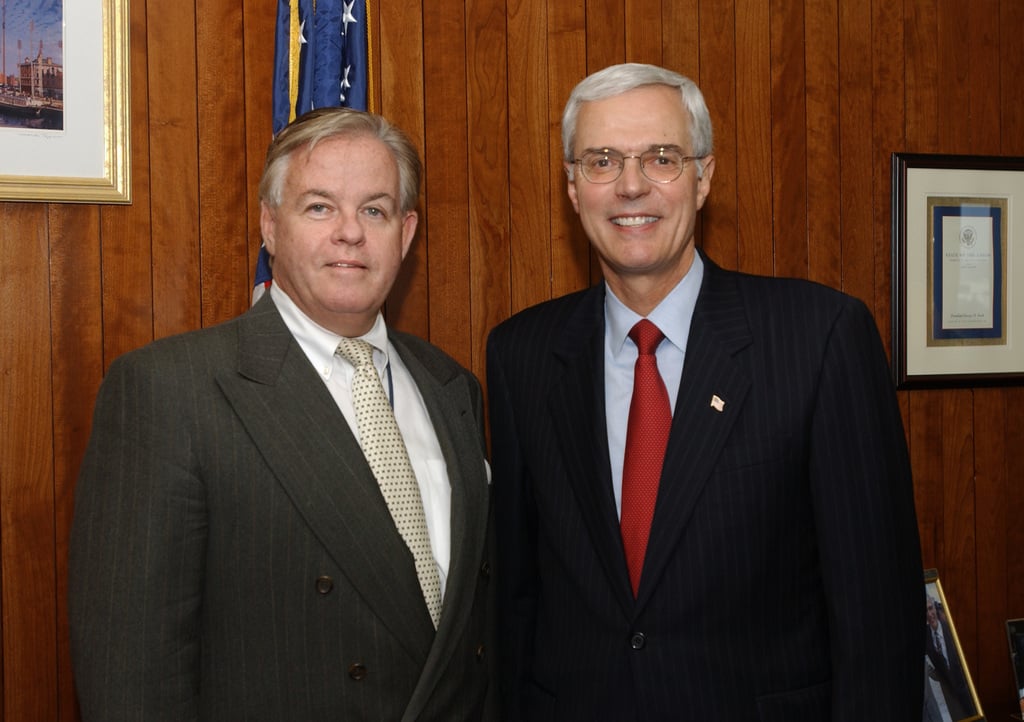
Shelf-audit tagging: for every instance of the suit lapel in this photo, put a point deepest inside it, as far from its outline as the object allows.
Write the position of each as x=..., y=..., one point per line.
x=577, y=409
x=712, y=391
x=309, y=448
x=455, y=419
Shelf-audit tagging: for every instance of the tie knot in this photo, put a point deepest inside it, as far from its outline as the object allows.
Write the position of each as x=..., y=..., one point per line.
x=646, y=336
x=356, y=351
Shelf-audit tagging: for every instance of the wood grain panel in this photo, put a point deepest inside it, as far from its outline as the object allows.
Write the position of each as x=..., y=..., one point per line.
x=532, y=154
x=403, y=98
x=992, y=675
x=717, y=81
x=754, y=172
x=28, y=606
x=567, y=54
x=77, y=358
x=447, y=165
x=174, y=171
x=789, y=142
x=643, y=31
x=824, y=251
x=488, y=262
x=606, y=34
x=222, y=193
x=857, y=251
x=258, y=29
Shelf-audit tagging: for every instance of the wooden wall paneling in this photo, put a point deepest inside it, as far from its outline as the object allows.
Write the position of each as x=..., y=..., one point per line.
x=76, y=322
x=643, y=28
x=28, y=605
x=406, y=87
x=606, y=35
x=857, y=248
x=953, y=53
x=125, y=231
x=222, y=192
x=1014, y=501
x=754, y=171
x=258, y=27
x=959, y=567
x=824, y=249
x=924, y=429
x=789, y=140
x=922, y=77
x=714, y=70
x=992, y=674
x=532, y=157
x=681, y=36
x=566, y=66
x=886, y=116
x=173, y=137
x=447, y=152
x=488, y=92
x=1011, y=70
x=983, y=75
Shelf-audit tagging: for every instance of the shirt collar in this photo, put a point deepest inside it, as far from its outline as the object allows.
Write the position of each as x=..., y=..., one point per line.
x=317, y=342
x=672, y=315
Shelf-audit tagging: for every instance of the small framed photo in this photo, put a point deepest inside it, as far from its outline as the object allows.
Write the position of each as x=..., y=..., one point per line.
x=949, y=694
x=1015, y=636
x=956, y=286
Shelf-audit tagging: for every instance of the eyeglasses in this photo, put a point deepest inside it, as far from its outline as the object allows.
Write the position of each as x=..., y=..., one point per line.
x=660, y=165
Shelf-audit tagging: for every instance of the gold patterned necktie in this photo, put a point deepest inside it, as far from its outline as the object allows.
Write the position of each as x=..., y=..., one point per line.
x=388, y=458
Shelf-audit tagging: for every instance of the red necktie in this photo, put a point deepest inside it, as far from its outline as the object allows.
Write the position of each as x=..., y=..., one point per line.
x=650, y=417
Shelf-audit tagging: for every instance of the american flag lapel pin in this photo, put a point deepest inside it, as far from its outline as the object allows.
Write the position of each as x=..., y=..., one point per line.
x=717, y=404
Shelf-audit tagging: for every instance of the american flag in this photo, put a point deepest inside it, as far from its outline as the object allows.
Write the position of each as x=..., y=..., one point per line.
x=321, y=59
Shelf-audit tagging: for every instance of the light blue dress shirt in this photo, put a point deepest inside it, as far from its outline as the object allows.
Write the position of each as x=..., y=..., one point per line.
x=672, y=316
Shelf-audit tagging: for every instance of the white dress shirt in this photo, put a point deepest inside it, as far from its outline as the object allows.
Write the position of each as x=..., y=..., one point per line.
x=672, y=316
x=411, y=413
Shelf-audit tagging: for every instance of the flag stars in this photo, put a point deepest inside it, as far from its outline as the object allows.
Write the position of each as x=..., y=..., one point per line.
x=347, y=16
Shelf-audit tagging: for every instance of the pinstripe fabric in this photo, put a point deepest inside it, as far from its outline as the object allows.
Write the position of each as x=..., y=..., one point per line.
x=783, y=573
x=232, y=557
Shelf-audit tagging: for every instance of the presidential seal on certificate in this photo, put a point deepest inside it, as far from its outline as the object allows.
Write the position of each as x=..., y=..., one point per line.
x=967, y=271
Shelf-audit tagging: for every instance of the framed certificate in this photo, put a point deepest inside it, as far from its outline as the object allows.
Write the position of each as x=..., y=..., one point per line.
x=957, y=275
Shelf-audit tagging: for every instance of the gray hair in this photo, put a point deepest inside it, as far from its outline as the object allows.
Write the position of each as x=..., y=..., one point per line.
x=618, y=79
x=323, y=123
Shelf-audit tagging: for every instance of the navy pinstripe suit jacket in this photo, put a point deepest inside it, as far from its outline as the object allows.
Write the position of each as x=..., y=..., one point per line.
x=232, y=557
x=783, y=576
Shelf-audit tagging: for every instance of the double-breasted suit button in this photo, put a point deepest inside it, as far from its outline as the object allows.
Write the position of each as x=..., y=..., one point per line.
x=480, y=653
x=324, y=585
x=485, y=570
x=638, y=640
x=357, y=672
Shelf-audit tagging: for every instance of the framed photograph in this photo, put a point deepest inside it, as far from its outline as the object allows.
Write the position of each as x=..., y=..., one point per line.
x=949, y=694
x=1015, y=636
x=64, y=105
x=957, y=289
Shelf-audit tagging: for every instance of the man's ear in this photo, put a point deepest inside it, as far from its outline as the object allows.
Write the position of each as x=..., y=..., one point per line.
x=409, y=224
x=268, y=226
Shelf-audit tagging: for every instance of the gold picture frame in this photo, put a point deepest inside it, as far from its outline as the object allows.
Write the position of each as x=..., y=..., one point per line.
x=949, y=694
x=88, y=159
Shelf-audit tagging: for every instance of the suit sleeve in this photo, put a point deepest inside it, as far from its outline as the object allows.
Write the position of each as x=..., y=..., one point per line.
x=867, y=528
x=515, y=525
x=137, y=548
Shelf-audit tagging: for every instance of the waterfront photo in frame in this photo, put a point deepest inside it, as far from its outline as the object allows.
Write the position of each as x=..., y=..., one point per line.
x=955, y=280
x=64, y=119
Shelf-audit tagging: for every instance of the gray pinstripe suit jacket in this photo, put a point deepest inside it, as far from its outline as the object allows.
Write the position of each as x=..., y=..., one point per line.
x=783, y=577
x=232, y=557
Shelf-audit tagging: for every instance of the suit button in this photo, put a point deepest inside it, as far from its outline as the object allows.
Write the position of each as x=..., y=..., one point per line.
x=324, y=585
x=637, y=641
x=480, y=653
x=357, y=672
x=485, y=570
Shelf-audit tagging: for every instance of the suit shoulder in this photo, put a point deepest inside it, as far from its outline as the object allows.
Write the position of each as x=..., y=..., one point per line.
x=764, y=295
x=547, y=317
x=432, y=357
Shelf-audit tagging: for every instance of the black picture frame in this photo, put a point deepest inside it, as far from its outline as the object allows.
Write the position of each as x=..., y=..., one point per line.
x=957, y=294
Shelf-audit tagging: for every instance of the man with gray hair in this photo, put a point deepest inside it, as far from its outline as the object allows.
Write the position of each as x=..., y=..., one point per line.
x=286, y=516
x=703, y=497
